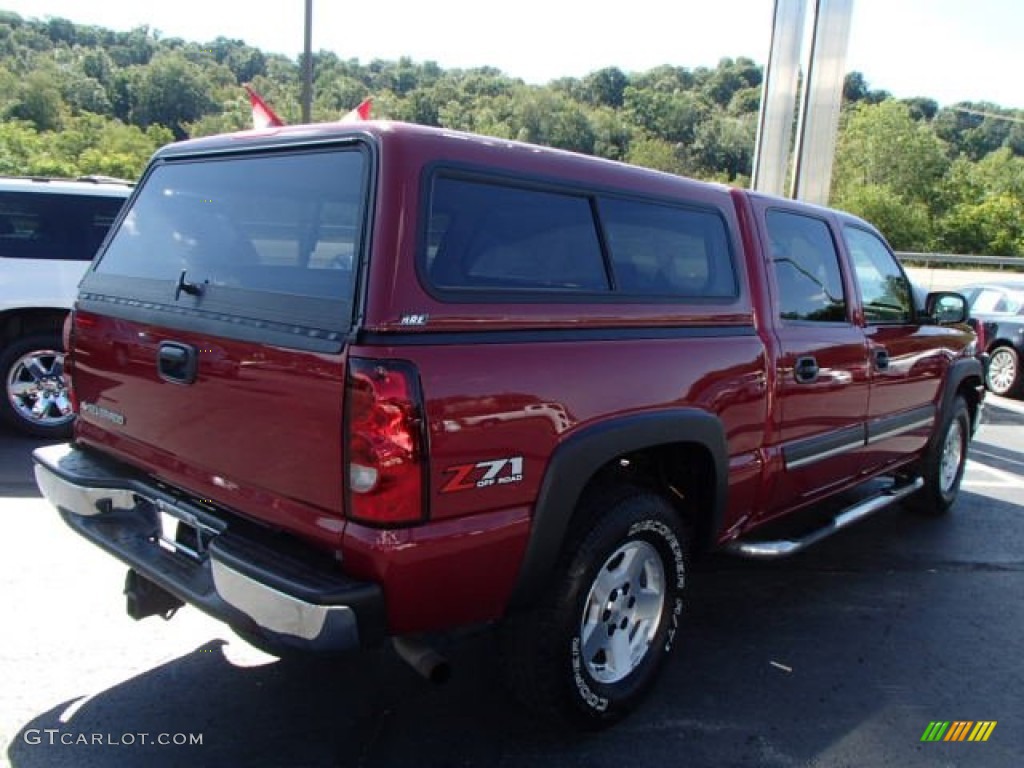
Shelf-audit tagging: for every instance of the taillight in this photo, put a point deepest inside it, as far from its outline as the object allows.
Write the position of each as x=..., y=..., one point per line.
x=385, y=443
x=67, y=338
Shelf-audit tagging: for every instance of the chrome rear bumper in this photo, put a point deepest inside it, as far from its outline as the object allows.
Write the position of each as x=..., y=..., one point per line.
x=289, y=601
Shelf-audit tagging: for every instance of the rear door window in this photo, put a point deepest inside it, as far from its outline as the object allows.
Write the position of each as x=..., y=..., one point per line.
x=806, y=267
x=46, y=225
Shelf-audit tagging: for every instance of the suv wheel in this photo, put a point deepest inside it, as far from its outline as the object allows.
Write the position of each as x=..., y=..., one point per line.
x=36, y=400
x=944, y=462
x=588, y=652
x=1003, y=377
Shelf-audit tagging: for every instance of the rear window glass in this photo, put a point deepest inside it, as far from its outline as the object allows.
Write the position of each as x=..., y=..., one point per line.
x=285, y=224
x=485, y=236
x=660, y=250
x=38, y=225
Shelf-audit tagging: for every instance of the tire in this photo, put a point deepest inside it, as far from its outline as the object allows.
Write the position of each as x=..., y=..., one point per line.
x=588, y=652
x=1003, y=374
x=944, y=461
x=35, y=400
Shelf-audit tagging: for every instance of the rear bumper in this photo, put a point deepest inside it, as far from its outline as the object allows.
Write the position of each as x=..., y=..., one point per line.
x=294, y=600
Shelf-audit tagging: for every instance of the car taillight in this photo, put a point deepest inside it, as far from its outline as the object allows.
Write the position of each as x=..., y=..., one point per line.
x=385, y=443
x=67, y=338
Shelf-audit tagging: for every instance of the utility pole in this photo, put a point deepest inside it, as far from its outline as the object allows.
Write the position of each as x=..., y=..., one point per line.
x=307, y=67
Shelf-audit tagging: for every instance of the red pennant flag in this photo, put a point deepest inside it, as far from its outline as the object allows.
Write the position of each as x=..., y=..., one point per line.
x=262, y=115
x=362, y=112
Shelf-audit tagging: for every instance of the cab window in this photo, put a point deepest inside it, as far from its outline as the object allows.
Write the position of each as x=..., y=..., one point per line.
x=806, y=266
x=884, y=289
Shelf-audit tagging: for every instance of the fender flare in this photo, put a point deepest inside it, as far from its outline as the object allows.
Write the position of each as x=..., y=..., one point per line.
x=582, y=454
x=959, y=370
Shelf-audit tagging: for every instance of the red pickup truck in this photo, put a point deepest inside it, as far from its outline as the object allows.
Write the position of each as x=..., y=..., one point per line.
x=340, y=383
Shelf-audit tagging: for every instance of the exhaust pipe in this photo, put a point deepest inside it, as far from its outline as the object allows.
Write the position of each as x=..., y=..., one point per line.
x=425, y=660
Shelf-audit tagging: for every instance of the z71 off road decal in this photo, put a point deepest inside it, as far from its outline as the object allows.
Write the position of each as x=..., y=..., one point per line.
x=483, y=474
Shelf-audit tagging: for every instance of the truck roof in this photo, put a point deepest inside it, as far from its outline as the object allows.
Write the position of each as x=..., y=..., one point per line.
x=431, y=144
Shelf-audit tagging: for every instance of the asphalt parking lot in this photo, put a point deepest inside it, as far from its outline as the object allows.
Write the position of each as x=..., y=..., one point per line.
x=838, y=657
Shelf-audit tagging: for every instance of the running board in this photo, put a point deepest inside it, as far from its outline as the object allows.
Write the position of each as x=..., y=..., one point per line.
x=771, y=550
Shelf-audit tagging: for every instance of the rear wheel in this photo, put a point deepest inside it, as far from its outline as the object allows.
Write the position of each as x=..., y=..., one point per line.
x=944, y=462
x=591, y=648
x=36, y=400
x=1003, y=376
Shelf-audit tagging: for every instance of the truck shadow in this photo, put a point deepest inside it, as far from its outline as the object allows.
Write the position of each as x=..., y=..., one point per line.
x=861, y=631
x=366, y=709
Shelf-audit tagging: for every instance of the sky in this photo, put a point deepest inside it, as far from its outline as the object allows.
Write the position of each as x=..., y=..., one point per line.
x=947, y=50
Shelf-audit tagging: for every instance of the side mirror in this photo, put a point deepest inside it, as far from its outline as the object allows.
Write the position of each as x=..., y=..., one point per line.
x=946, y=307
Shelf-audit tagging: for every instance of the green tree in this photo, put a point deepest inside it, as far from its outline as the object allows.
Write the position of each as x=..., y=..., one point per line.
x=543, y=117
x=658, y=154
x=38, y=102
x=605, y=87
x=906, y=224
x=921, y=108
x=723, y=148
x=172, y=92
x=984, y=204
x=881, y=145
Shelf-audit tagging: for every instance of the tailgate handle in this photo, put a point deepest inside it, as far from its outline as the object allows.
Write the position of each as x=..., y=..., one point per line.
x=177, y=363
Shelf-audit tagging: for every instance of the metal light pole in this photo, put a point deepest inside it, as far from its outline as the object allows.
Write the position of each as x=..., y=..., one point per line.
x=307, y=67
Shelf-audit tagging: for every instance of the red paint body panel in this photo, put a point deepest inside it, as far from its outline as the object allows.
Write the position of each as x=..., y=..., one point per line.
x=525, y=399
x=444, y=574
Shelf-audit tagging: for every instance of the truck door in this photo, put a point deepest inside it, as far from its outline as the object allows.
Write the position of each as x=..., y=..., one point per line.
x=907, y=357
x=822, y=365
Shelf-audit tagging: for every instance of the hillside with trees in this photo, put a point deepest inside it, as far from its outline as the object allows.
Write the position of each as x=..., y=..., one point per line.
x=78, y=99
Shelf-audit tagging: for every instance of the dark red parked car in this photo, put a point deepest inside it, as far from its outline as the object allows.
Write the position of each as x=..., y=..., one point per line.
x=339, y=383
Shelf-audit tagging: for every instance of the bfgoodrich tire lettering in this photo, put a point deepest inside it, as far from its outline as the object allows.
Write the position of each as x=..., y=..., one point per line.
x=592, y=647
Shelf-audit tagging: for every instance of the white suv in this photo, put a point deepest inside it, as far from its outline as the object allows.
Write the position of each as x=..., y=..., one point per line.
x=49, y=231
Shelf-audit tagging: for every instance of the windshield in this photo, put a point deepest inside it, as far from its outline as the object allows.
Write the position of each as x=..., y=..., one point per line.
x=998, y=300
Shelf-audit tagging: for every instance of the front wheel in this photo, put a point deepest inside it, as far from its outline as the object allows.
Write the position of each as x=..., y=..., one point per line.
x=36, y=400
x=944, y=461
x=592, y=647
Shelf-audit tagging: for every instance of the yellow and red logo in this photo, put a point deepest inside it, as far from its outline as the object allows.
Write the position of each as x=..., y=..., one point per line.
x=959, y=730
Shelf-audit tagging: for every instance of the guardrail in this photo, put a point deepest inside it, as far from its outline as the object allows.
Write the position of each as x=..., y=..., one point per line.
x=1012, y=263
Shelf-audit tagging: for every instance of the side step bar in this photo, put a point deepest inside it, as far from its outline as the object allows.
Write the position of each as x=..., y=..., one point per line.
x=771, y=550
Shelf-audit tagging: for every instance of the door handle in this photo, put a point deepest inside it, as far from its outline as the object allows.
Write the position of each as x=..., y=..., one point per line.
x=881, y=359
x=177, y=363
x=806, y=370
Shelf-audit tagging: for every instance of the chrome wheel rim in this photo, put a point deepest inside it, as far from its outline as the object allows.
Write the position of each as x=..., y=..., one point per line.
x=623, y=611
x=37, y=390
x=1002, y=370
x=952, y=456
